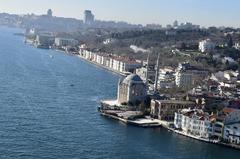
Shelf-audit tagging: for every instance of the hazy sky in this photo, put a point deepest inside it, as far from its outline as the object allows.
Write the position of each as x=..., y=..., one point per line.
x=203, y=12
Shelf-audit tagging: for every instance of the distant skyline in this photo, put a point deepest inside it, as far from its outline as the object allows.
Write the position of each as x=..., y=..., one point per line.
x=202, y=12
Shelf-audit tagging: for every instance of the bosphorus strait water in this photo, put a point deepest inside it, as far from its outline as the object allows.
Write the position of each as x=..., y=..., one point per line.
x=48, y=109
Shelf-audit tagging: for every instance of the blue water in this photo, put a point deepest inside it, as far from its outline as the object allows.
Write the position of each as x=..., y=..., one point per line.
x=43, y=116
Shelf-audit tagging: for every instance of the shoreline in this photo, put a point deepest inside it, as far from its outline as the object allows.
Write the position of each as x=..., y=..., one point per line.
x=165, y=126
x=132, y=122
x=29, y=42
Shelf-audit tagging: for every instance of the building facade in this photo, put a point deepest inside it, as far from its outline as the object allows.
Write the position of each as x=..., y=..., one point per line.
x=206, y=45
x=226, y=117
x=88, y=17
x=59, y=42
x=195, y=122
x=44, y=40
x=165, y=109
x=232, y=133
x=131, y=90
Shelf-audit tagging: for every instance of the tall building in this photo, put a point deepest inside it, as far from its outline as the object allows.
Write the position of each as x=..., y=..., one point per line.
x=49, y=13
x=88, y=17
x=175, y=23
x=187, y=75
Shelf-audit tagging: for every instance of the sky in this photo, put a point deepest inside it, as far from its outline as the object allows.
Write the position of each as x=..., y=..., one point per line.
x=202, y=12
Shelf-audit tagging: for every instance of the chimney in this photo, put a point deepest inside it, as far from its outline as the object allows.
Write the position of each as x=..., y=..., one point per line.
x=157, y=74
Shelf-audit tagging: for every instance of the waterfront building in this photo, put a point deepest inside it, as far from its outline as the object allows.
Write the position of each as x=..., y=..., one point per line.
x=131, y=90
x=115, y=63
x=165, y=109
x=195, y=122
x=232, y=133
x=44, y=40
x=225, y=117
x=88, y=17
x=60, y=42
x=206, y=45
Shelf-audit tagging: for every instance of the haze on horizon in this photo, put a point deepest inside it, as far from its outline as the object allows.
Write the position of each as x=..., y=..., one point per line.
x=202, y=12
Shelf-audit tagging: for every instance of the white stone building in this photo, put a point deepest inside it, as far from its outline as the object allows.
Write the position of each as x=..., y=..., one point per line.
x=187, y=75
x=206, y=45
x=194, y=122
x=166, y=78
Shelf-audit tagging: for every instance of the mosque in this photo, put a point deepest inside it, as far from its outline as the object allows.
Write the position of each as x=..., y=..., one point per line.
x=131, y=90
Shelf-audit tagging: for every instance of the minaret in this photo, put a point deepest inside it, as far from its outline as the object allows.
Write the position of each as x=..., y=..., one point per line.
x=157, y=74
x=147, y=70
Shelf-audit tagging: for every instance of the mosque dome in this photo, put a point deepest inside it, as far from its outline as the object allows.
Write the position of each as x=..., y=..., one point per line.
x=132, y=78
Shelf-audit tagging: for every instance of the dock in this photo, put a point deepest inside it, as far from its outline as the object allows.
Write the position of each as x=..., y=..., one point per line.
x=141, y=122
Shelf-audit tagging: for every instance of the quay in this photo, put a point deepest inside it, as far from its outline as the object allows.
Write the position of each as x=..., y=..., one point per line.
x=141, y=122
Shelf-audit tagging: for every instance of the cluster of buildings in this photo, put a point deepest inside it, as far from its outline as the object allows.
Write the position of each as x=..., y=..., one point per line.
x=222, y=126
x=122, y=65
x=187, y=116
x=46, y=40
x=184, y=76
x=183, y=26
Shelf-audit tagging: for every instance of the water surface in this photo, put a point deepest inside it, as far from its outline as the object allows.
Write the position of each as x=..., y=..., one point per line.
x=48, y=110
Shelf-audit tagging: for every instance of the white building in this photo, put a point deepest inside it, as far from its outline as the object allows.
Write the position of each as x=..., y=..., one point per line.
x=232, y=133
x=187, y=75
x=44, y=40
x=59, y=42
x=237, y=46
x=195, y=122
x=166, y=78
x=226, y=117
x=206, y=45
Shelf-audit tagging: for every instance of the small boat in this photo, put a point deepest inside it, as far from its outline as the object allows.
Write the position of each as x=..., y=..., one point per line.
x=51, y=56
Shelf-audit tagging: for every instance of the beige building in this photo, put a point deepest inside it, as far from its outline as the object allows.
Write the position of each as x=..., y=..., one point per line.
x=131, y=90
x=165, y=109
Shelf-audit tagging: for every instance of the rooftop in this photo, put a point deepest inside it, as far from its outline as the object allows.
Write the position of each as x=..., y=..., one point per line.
x=132, y=78
x=175, y=102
